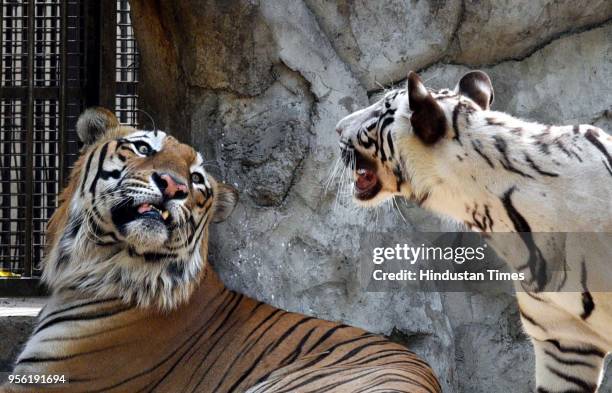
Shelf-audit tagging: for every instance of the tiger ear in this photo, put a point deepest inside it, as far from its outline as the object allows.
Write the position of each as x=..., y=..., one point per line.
x=95, y=122
x=226, y=199
x=477, y=86
x=428, y=119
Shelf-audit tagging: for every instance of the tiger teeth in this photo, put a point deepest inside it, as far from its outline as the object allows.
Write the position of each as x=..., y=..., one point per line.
x=165, y=214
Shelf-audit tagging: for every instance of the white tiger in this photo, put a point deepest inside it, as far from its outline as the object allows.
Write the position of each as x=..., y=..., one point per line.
x=450, y=153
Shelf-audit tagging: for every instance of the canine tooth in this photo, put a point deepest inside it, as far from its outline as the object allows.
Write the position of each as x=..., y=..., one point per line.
x=165, y=214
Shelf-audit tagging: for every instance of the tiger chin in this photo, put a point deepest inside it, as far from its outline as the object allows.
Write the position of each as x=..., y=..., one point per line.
x=448, y=152
x=136, y=306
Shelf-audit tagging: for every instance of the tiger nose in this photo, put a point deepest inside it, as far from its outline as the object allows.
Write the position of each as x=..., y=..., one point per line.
x=170, y=186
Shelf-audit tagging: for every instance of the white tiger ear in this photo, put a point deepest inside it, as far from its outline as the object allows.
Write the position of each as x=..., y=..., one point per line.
x=428, y=119
x=95, y=122
x=226, y=199
x=477, y=86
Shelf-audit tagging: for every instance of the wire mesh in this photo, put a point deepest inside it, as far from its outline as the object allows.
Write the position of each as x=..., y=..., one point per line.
x=12, y=185
x=44, y=46
x=47, y=43
x=14, y=43
x=126, y=67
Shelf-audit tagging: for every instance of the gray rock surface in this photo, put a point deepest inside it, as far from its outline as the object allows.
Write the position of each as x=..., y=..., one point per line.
x=259, y=86
x=15, y=332
x=380, y=40
x=494, y=30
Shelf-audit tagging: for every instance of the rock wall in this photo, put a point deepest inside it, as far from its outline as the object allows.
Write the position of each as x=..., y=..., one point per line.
x=258, y=87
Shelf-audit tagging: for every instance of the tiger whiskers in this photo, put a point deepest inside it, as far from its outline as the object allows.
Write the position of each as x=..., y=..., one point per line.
x=331, y=174
x=89, y=218
x=398, y=210
x=346, y=184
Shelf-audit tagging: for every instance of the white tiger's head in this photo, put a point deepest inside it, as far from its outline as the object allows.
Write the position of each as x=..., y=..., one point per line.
x=132, y=223
x=390, y=143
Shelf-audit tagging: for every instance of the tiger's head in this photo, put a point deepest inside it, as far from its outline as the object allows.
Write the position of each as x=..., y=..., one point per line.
x=394, y=146
x=133, y=221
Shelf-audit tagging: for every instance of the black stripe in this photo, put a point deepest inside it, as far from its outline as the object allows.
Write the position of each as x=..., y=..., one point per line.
x=587, y=300
x=35, y=359
x=383, y=154
x=591, y=136
x=73, y=307
x=572, y=379
x=476, y=147
x=101, y=156
x=561, y=147
x=572, y=362
x=456, y=123
x=536, y=262
x=227, y=330
x=386, y=122
x=607, y=167
x=331, y=350
x=290, y=358
x=536, y=168
x=83, y=336
x=327, y=335
x=358, y=349
x=588, y=351
x=271, y=347
x=519, y=222
x=531, y=320
x=390, y=144
x=86, y=174
x=80, y=317
x=215, y=317
x=195, y=337
x=488, y=216
x=502, y=147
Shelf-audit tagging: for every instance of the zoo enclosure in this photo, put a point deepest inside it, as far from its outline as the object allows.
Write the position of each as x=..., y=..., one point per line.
x=58, y=57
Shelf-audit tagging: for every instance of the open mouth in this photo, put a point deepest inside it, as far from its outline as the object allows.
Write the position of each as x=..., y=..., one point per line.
x=128, y=212
x=367, y=184
x=147, y=210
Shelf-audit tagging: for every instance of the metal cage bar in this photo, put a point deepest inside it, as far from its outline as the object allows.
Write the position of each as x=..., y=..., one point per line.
x=51, y=53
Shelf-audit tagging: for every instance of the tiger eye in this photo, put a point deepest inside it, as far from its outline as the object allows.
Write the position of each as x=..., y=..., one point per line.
x=197, y=178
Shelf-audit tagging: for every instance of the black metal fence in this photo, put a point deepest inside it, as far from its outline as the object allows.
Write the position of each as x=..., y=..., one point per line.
x=58, y=57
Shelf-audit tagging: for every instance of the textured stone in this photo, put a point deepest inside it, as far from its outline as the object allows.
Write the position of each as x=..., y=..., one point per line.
x=15, y=331
x=263, y=114
x=494, y=30
x=567, y=81
x=268, y=137
x=380, y=40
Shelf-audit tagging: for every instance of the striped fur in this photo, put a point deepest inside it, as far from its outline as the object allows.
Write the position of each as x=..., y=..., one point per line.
x=448, y=152
x=167, y=324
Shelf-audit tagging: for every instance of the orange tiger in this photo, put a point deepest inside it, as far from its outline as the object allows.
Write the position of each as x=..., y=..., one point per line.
x=135, y=305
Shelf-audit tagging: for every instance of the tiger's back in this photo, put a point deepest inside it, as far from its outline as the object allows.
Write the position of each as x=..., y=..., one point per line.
x=221, y=342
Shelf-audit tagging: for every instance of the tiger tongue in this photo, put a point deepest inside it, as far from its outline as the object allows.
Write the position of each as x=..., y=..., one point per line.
x=145, y=207
x=365, y=179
